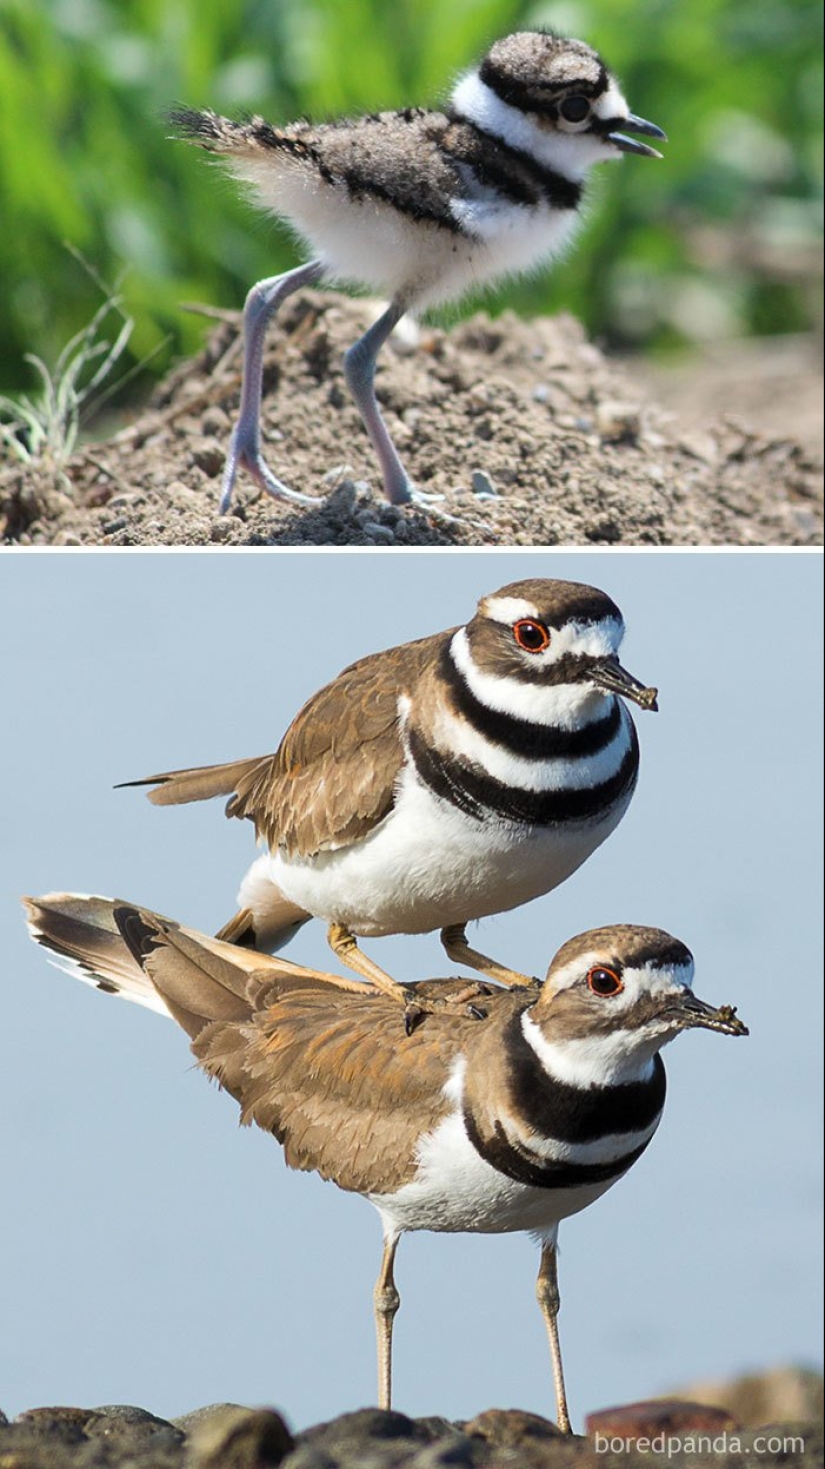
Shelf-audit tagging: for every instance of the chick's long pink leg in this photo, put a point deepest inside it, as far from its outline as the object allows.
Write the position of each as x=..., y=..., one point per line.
x=359, y=369
x=245, y=445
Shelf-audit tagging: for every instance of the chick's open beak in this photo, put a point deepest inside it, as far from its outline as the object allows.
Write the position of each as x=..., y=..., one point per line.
x=634, y=124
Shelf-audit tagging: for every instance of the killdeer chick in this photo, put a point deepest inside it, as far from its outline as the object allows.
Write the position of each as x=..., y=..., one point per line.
x=511, y=1122
x=438, y=782
x=421, y=206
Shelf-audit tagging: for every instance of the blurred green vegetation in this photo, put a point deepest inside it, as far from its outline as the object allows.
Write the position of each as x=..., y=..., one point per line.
x=721, y=238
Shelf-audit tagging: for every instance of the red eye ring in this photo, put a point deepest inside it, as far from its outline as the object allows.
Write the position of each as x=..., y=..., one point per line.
x=604, y=982
x=530, y=635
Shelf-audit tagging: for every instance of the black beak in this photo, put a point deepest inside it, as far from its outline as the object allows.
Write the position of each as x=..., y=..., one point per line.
x=693, y=1013
x=609, y=675
x=636, y=125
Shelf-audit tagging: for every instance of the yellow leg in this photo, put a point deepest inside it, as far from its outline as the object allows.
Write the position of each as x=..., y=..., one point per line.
x=547, y=1294
x=240, y=931
x=454, y=939
x=345, y=946
x=386, y=1301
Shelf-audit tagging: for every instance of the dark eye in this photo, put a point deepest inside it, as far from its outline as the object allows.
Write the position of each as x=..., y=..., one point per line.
x=533, y=637
x=574, y=109
x=604, y=982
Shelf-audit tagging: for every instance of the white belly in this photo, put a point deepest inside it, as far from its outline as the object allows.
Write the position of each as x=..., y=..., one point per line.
x=455, y=1190
x=409, y=258
x=428, y=865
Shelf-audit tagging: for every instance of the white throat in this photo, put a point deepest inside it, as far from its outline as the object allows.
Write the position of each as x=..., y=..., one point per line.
x=570, y=154
x=600, y=1060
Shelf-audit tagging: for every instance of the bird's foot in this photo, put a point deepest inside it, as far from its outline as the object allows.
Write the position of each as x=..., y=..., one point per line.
x=468, y=1001
x=245, y=453
x=403, y=493
x=423, y=500
x=399, y=488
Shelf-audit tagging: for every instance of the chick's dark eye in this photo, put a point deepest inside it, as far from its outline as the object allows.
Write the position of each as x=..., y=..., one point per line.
x=574, y=109
x=532, y=636
x=604, y=982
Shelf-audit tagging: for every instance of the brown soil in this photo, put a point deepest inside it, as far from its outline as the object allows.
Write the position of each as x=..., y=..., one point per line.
x=568, y=449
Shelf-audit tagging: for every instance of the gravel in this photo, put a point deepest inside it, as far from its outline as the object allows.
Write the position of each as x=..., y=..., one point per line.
x=524, y=428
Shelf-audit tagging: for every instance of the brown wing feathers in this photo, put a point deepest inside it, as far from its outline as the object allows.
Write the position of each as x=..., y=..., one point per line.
x=330, y=1073
x=317, y=791
x=335, y=1079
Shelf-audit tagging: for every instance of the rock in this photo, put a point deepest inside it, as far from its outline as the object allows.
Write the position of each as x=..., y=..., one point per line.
x=237, y=1438
x=216, y=422
x=666, y=1434
x=367, y=1439
x=222, y=528
x=482, y=485
x=618, y=422
x=65, y=1422
x=376, y=532
x=660, y=1418
x=209, y=455
x=127, y=1427
x=90, y=1438
x=511, y=1427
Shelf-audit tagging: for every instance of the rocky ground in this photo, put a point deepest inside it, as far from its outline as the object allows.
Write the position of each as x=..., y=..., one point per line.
x=671, y=1432
x=525, y=429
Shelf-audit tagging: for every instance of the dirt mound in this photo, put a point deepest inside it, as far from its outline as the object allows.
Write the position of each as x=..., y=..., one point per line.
x=529, y=434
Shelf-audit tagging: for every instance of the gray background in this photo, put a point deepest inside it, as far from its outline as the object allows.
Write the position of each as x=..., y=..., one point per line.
x=152, y=1252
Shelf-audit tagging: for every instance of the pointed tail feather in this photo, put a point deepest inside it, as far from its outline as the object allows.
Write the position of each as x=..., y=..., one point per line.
x=200, y=783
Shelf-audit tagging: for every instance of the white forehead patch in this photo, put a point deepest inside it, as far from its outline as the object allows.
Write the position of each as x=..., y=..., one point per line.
x=508, y=609
x=611, y=103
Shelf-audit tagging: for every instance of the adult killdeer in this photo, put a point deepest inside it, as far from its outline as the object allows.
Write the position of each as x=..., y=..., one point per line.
x=422, y=206
x=509, y=1120
x=438, y=782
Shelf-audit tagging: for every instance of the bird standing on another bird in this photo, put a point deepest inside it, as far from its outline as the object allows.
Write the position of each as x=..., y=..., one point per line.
x=511, y=1120
x=421, y=206
x=435, y=783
